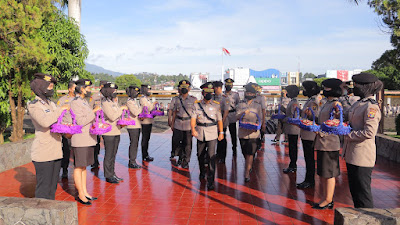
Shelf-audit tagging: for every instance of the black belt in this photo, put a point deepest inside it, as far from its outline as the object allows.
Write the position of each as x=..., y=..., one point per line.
x=206, y=124
x=183, y=118
x=232, y=110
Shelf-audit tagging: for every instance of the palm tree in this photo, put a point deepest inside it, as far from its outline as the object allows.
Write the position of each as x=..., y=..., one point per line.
x=74, y=9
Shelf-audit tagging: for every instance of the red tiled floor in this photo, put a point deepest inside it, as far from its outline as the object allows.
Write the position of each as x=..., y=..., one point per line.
x=162, y=193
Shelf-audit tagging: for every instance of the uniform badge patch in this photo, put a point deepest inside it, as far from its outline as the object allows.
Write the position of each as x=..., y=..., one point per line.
x=91, y=98
x=371, y=113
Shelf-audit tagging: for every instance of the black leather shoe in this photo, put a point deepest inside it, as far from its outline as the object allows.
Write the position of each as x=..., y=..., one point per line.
x=327, y=206
x=290, y=170
x=112, y=180
x=202, y=177
x=91, y=199
x=82, y=202
x=118, y=178
x=96, y=165
x=64, y=174
x=134, y=166
x=148, y=159
x=304, y=185
x=179, y=162
x=247, y=179
x=185, y=165
x=210, y=186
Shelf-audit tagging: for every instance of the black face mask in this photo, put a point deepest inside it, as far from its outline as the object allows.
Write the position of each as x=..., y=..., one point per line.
x=49, y=93
x=184, y=90
x=88, y=94
x=114, y=95
x=306, y=93
x=350, y=91
x=249, y=97
x=357, y=92
x=327, y=93
x=208, y=96
x=228, y=88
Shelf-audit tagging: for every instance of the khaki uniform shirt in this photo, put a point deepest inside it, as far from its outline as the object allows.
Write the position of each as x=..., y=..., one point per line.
x=66, y=100
x=285, y=101
x=213, y=110
x=312, y=103
x=182, y=119
x=224, y=104
x=112, y=113
x=134, y=110
x=324, y=141
x=359, y=146
x=95, y=100
x=46, y=146
x=145, y=101
x=234, y=101
x=290, y=111
x=347, y=102
x=250, y=117
x=84, y=117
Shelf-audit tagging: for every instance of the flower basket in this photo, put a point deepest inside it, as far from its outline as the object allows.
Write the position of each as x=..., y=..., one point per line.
x=279, y=115
x=336, y=126
x=250, y=125
x=157, y=111
x=295, y=120
x=309, y=125
x=126, y=119
x=145, y=113
x=99, y=128
x=66, y=128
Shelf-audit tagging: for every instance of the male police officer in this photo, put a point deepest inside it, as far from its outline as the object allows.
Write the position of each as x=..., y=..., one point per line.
x=179, y=115
x=207, y=127
x=234, y=100
x=66, y=143
x=223, y=101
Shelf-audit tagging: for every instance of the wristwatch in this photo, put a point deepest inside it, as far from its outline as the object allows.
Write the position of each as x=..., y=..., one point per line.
x=221, y=132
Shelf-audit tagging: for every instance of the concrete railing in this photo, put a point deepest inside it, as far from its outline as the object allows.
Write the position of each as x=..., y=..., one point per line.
x=37, y=211
x=15, y=154
x=388, y=147
x=351, y=216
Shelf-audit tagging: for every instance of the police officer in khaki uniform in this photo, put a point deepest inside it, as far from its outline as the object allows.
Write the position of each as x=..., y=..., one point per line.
x=66, y=142
x=328, y=145
x=112, y=113
x=234, y=100
x=311, y=90
x=359, y=148
x=133, y=130
x=248, y=110
x=224, y=105
x=147, y=123
x=46, y=150
x=180, y=113
x=291, y=130
x=284, y=102
x=206, y=125
x=348, y=98
x=83, y=144
x=94, y=101
x=263, y=101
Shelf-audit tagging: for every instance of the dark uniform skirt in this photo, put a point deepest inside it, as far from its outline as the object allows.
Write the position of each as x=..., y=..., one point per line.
x=249, y=146
x=83, y=156
x=328, y=164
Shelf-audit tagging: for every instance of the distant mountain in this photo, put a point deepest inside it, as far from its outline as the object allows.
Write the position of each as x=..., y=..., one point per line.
x=98, y=69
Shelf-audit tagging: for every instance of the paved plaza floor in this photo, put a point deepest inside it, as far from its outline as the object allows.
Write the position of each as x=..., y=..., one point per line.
x=162, y=193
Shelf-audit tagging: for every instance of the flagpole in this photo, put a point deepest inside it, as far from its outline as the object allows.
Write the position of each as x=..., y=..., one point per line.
x=222, y=65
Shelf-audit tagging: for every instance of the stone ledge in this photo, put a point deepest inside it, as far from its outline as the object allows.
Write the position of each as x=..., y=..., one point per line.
x=19, y=211
x=352, y=216
x=15, y=154
x=388, y=147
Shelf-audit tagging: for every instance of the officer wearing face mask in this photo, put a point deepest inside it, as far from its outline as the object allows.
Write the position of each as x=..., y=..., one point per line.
x=234, y=100
x=112, y=112
x=133, y=130
x=147, y=123
x=348, y=98
x=46, y=150
x=359, y=149
x=206, y=125
x=291, y=130
x=224, y=103
x=180, y=113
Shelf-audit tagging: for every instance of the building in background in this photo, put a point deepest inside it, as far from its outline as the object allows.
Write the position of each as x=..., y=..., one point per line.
x=269, y=80
x=197, y=79
x=343, y=75
x=240, y=75
x=284, y=79
x=293, y=78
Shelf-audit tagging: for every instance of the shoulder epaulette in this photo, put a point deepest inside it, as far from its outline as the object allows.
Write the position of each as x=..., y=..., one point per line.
x=34, y=101
x=216, y=102
x=373, y=101
x=197, y=101
x=192, y=96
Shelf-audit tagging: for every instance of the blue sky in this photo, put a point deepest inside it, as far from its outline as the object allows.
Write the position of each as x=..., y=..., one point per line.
x=184, y=36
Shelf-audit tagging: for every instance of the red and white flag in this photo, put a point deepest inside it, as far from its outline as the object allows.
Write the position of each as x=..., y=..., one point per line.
x=226, y=52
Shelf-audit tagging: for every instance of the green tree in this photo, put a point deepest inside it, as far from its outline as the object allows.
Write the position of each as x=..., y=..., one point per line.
x=319, y=80
x=309, y=75
x=5, y=115
x=127, y=80
x=102, y=76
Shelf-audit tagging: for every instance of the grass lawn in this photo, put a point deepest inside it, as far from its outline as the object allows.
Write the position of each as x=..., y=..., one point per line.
x=395, y=136
x=26, y=136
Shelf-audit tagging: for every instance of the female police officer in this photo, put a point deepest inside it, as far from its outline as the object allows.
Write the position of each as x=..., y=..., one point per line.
x=359, y=149
x=46, y=150
x=133, y=130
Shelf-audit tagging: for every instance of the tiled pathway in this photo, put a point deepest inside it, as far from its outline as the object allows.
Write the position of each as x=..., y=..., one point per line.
x=162, y=193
